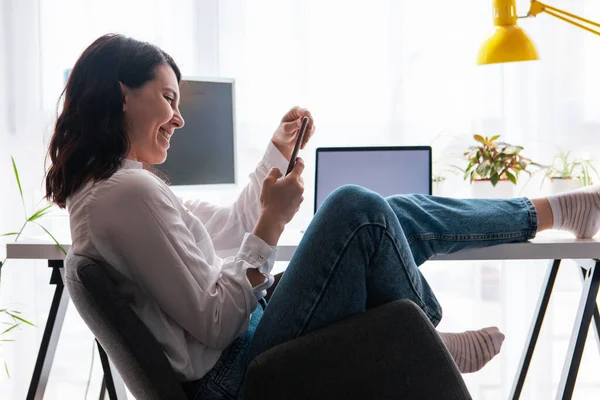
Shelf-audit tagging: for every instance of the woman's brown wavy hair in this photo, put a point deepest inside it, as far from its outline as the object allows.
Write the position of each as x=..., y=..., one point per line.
x=90, y=139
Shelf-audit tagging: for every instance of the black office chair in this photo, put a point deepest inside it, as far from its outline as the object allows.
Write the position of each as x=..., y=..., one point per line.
x=389, y=352
x=131, y=347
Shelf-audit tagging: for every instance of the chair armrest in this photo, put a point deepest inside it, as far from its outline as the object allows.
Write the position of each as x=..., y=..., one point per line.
x=389, y=352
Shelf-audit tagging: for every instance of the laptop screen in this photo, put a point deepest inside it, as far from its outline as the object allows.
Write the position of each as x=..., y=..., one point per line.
x=384, y=170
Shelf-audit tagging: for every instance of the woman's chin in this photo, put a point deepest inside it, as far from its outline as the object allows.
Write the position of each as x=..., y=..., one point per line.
x=164, y=157
x=158, y=158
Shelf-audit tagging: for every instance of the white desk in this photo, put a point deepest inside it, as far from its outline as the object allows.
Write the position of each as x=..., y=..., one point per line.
x=547, y=246
x=554, y=247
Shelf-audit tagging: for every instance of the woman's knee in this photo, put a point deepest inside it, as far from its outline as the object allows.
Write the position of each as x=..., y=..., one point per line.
x=352, y=199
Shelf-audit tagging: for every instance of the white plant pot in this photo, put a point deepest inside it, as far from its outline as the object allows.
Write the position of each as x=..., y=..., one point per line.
x=438, y=189
x=483, y=189
x=559, y=185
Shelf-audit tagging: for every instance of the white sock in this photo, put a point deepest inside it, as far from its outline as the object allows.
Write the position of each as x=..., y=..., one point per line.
x=471, y=350
x=577, y=211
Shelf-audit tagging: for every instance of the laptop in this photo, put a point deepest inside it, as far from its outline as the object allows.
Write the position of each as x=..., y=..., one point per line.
x=384, y=170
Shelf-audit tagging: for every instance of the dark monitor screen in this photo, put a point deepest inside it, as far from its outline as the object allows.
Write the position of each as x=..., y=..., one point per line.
x=203, y=151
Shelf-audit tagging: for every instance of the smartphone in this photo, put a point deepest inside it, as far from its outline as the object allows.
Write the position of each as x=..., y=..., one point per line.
x=299, y=140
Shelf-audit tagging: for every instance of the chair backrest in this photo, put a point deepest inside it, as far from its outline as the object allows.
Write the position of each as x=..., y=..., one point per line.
x=130, y=346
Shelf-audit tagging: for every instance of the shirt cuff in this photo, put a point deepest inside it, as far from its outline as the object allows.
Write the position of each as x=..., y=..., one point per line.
x=268, y=265
x=274, y=158
x=260, y=255
x=255, y=251
x=260, y=291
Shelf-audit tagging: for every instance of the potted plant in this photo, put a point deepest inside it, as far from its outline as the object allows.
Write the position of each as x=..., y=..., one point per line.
x=440, y=188
x=447, y=153
x=438, y=181
x=568, y=172
x=12, y=319
x=493, y=167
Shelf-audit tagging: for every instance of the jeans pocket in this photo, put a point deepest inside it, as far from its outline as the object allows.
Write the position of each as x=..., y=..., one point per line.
x=212, y=391
x=230, y=365
x=224, y=380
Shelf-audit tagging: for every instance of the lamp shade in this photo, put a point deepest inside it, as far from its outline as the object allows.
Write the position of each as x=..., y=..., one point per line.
x=508, y=42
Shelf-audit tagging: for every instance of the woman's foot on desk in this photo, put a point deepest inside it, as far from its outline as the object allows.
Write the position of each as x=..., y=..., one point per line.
x=471, y=350
x=577, y=212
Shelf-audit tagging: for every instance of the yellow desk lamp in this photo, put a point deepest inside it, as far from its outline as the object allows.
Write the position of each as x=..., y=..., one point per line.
x=510, y=43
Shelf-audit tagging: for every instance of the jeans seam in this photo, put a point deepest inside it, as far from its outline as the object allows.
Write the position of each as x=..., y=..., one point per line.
x=208, y=385
x=434, y=318
x=468, y=237
x=229, y=361
x=331, y=272
x=533, y=217
x=217, y=387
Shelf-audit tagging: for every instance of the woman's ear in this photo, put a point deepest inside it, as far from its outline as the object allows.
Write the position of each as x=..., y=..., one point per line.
x=125, y=92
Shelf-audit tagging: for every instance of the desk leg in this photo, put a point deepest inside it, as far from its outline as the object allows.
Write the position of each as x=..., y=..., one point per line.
x=587, y=308
x=56, y=317
x=534, y=331
x=112, y=381
x=102, y=390
x=596, y=313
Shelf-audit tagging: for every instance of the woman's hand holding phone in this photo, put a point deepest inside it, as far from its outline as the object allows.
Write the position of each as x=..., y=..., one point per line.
x=286, y=134
x=280, y=200
x=281, y=195
x=299, y=141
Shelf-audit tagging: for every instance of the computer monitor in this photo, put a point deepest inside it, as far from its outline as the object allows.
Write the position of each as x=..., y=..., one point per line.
x=203, y=151
x=384, y=170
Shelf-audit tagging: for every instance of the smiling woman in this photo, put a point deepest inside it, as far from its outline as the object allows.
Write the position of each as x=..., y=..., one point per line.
x=152, y=113
x=120, y=102
x=415, y=78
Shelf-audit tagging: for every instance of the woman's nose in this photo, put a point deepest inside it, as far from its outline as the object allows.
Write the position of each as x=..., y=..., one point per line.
x=178, y=120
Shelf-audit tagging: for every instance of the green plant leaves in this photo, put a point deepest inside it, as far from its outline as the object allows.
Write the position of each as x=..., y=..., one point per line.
x=494, y=161
x=495, y=179
x=9, y=329
x=53, y=238
x=479, y=138
x=17, y=320
x=523, y=164
x=41, y=212
x=10, y=234
x=511, y=177
x=16, y=171
x=14, y=315
x=35, y=216
x=512, y=149
x=564, y=166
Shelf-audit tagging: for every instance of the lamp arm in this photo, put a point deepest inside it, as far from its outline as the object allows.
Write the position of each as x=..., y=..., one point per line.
x=537, y=7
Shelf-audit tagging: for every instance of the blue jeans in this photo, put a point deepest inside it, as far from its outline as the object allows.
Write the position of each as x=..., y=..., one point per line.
x=361, y=251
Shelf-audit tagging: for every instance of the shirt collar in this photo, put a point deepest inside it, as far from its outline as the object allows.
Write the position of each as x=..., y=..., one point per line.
x=131, y=164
